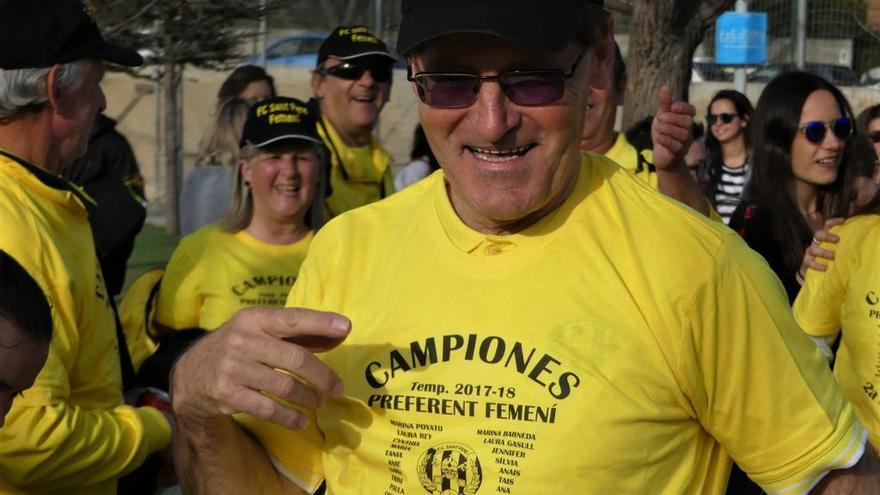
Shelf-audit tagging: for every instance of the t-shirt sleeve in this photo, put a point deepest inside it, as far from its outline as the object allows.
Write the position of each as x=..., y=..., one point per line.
x=180, y=300
x=758, y=384
x=817, y=308
x=296, y=454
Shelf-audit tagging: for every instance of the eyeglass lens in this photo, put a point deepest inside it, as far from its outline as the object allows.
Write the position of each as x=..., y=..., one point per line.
x=353, y=71
x=816, y=130
x=725, y=118
x=527, y=88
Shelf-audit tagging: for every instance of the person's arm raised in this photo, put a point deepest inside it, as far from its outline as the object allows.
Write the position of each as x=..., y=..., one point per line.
x=226, y=371
x=671, y=133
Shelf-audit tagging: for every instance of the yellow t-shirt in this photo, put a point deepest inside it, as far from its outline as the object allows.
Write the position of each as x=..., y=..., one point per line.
x=361, y=177
x=70, y=433
x=626, y=155
x=847, y=297
x=212, y=274
x=588, y=353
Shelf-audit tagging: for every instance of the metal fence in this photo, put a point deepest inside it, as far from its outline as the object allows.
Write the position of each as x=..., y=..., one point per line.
x=837, y=39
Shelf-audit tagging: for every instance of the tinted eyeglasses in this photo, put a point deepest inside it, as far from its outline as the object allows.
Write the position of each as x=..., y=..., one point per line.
x=524, y=87
x=725, y=118
x=874, y=136
x=815, y=130
x=354, y=70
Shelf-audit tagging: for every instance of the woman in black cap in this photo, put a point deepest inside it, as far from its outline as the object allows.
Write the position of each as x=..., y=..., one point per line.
x=250, y=257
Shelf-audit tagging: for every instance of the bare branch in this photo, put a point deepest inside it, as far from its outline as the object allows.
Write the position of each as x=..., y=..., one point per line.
x=111, y=30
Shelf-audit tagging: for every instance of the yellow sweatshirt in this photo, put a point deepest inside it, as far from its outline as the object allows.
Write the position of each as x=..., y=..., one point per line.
x=71, y=432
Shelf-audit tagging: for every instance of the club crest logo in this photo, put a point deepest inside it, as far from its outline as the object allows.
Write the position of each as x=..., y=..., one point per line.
x=450, y=469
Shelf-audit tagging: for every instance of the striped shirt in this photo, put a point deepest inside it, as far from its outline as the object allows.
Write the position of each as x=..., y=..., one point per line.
x=730, y=187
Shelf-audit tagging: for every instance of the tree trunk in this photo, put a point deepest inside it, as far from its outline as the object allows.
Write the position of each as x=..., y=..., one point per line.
x=663, y=38
x=330, y=16
x=349, y=12
x=172, y=138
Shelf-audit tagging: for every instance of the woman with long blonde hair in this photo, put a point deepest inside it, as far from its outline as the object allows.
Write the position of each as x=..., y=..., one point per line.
x=207, y=189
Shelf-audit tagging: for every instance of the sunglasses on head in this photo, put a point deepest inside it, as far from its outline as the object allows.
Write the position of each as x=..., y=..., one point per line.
x=725, y=118
x=816, y=130
x=523, y=87
x=352, y=71
x=874, y=136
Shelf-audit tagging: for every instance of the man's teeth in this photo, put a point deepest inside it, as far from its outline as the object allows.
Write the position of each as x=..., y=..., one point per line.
x=364, y=98
x=495, y=155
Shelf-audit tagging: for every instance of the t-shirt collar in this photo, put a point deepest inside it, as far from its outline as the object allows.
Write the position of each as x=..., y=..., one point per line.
x=53, y=181
x=470, y=241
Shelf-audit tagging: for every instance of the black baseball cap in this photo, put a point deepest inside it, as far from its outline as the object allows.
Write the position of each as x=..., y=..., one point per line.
x=278, y=119
x=42, y=33
x=348, y=42
x=547, y=25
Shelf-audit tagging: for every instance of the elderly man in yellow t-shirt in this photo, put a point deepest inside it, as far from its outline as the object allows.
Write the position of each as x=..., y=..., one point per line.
x=72, y=432
x=505, y=328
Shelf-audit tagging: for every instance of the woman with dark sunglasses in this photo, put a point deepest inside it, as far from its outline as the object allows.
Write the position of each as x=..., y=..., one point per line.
x=727, y=147
x=798, y=185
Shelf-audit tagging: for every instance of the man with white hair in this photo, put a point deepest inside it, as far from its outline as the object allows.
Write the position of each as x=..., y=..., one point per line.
x=71, y=433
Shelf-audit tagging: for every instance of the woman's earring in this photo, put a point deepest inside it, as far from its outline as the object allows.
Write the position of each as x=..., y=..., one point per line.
x=247, y=183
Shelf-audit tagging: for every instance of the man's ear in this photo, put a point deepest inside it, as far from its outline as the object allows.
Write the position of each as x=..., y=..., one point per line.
x=53, y=92
x=602, y=63
x=316, y=85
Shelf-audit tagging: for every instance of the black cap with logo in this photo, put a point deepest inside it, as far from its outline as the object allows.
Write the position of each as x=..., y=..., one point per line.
x=279, y=119
x=348, y=42
x=546, y=26
x=42, y=33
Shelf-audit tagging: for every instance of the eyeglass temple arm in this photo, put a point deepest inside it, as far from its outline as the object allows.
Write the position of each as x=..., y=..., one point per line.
x=620, y=6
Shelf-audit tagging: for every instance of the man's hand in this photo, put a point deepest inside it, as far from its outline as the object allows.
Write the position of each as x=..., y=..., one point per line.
x=225, y=371
x=816, y=257
x=671, y=131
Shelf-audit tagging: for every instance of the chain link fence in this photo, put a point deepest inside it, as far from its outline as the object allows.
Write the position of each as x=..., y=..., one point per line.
x=841, y=41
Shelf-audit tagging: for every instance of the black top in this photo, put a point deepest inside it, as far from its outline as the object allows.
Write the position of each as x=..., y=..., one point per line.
x=756, y=227
x=110, y=175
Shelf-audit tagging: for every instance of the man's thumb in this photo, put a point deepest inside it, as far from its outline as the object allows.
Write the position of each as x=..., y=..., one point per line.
x=665, y=99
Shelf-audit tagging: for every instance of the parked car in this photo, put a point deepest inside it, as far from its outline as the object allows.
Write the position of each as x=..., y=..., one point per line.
x=300, y=50
x=838, y=75
x=871, y=77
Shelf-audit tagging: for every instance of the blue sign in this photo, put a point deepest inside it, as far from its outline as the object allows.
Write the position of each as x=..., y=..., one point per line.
x=741, y=39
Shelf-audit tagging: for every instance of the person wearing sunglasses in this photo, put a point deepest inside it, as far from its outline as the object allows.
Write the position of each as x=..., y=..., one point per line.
x=351, y=84
x=798, y=186
x=548, y=323
x=727, y=145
